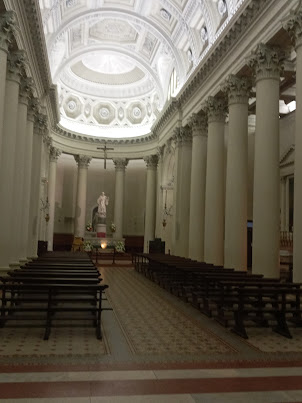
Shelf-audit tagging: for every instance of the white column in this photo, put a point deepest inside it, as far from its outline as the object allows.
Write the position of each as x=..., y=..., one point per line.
x=198, y=186
x=215, y=196
x=26, y=178
x=53, y=157
x=7, y=160
x=235, y=243
x=183, y=138
x=83, y=162
x=40, y=127
x=120, y=167
x=266, y=201
x=294, y=26
x=18, y=188
x=7, y=23
x=44, y=208
x=159, y=193
x=283, y=203
x=151, y=162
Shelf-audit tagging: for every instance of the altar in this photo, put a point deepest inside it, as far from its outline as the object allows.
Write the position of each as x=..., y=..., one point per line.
x=91, y=240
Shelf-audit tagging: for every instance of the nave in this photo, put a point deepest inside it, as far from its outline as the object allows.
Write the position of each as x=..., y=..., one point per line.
x=155, y=348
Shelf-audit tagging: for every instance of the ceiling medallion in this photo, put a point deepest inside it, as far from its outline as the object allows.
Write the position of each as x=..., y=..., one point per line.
x=204, y=34
x=71, y=3
x=165, y=14
x=104, y=113
x=136, y=112
x=71, y=105
x=221, y=7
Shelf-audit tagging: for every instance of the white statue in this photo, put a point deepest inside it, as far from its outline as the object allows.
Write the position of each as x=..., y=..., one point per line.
x=102, y=202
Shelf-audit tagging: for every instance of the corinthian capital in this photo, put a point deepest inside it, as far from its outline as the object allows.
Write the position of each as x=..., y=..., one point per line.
x=26, y=89
x=83, y=161
x=7, y=27
x=199, y=125
x=41, y=124
x=238, y=89
x=294, y=26
x=54, y=154
x=16, y=62
x=182, y=135
x=120, y=163
x=266, y=62
x=151, y=161
x=216, y=109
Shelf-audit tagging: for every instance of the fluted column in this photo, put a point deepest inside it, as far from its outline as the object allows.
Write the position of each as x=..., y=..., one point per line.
x=266, y=201
x=83, y=162
x=7, y=161
x=40, y=127
x=151, y=162
x=235, y=243
x=183, y=138
x=120, y=167
x=198, y=186
x=215, y=197
x=25, y=92
x=53, y=158
x=7, y=25
x=294, y=27
x=159, y=193
x=27, y=179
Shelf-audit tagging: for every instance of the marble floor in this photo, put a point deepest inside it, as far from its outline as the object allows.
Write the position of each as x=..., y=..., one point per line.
x=155, y=348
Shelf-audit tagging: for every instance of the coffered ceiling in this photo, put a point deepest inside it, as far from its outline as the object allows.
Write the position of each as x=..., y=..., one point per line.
x=112, y=59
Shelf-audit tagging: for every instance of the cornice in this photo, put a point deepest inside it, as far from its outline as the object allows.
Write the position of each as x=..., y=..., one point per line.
x=97, y=140
x=173, y=107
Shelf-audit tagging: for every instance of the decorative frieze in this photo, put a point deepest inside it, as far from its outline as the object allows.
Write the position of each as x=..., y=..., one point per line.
x=151, y=161
x=238, y=89
x=120, y=163
x=54, y=154
x=16, y=62
x=199, y=125
x=7, y=27
x=83, y=161
x=216, y=109
x=294, y=26
x=266, y=62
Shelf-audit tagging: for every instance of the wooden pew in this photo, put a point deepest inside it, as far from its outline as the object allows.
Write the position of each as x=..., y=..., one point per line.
x=48, y=301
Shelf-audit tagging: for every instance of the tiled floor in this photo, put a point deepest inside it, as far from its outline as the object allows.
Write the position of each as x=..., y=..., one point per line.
x=155, y=349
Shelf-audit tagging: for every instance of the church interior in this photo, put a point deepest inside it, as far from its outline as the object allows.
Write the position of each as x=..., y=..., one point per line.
x=150, y=178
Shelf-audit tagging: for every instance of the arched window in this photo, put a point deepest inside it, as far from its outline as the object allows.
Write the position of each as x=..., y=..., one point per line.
x=172, y=85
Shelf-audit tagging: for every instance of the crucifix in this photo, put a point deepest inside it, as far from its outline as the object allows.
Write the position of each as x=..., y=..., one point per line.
x=105, y=149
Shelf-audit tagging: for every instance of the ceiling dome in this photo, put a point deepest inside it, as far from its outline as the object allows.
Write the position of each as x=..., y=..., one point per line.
x=117, y=56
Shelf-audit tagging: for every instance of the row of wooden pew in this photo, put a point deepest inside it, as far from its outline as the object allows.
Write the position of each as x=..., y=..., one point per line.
x=59, y=286
x=233, y=298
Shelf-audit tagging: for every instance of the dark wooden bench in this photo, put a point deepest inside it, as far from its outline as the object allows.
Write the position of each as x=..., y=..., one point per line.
x=260, y=302
x=47, y=302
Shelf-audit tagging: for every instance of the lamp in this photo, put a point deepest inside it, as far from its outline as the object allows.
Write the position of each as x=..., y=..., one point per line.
x=166, y=212
x=103, y=244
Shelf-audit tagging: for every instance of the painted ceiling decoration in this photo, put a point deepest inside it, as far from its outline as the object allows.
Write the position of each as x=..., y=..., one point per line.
x=112, y=59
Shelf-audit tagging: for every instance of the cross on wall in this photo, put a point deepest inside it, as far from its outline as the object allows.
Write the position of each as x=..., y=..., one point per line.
x=105, y=149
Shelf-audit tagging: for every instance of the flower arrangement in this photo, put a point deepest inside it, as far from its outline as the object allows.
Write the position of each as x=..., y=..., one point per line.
x=87, y=246
x=112, y=227
x=89, y=227
x=119, y=246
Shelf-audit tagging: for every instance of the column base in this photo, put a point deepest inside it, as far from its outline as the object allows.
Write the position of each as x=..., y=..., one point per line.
x=4, y=269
